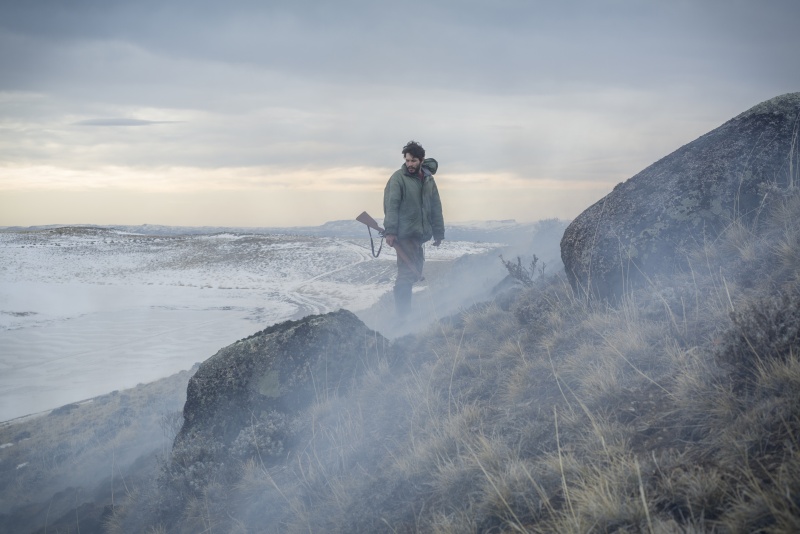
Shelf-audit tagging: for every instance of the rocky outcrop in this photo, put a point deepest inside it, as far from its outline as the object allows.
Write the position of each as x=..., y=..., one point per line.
x=643, y=226
x=245, y=400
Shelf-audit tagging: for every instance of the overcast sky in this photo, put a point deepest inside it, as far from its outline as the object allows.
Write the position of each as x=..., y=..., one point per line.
x=273, y=113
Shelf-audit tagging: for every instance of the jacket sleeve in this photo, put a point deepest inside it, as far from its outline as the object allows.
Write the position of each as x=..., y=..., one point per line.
x=392, y=196
x=437, y=219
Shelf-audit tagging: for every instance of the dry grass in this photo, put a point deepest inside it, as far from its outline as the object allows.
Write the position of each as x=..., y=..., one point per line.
x=675, y=410
x=86, y=450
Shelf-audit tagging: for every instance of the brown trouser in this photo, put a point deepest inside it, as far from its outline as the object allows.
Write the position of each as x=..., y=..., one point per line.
x=408, y=272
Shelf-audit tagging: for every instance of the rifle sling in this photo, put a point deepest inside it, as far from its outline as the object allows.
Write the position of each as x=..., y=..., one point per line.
x=372, y=243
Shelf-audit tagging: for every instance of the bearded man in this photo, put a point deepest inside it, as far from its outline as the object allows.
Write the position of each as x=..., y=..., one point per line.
x=412, y=216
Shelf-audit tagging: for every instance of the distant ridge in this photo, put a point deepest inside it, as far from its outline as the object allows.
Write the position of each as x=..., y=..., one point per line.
x=506, y=231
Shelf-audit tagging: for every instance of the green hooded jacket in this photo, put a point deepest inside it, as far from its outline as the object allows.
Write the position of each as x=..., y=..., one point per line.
x=411, y=206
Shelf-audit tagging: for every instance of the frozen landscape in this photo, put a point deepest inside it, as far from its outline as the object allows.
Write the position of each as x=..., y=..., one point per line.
x=88, y=310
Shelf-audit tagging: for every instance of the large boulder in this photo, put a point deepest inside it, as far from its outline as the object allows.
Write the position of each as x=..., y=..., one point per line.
x=642, y=228
x=246, y=400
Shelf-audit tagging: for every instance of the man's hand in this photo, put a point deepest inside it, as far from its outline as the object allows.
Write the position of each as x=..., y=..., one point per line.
x=437, y=242
x=390, y=239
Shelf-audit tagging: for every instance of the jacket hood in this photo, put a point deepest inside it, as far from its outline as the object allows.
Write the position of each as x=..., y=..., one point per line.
x=431, y=164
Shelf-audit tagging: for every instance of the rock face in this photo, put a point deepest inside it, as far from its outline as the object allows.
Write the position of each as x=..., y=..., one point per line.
x=642, y=227
x=245, y=399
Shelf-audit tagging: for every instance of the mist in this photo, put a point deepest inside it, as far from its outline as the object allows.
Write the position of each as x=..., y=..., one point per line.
x=87, y=310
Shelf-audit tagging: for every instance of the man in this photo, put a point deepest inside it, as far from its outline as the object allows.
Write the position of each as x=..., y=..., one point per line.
x=412, y=215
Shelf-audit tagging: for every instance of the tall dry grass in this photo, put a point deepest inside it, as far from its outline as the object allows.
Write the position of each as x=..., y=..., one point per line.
x=673, y=410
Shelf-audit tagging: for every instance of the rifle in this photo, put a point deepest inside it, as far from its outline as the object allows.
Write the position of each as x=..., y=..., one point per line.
x=365, y=218
x=372, y=223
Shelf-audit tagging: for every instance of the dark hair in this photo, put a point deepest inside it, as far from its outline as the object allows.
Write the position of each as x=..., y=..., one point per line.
x=415, y=149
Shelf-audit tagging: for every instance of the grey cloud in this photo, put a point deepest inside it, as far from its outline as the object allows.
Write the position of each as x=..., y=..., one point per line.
x=119, y=122
x=347, y=83
x=506, y=46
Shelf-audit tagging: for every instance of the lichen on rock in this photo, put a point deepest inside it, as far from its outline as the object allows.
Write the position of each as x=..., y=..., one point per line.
x=248, y=397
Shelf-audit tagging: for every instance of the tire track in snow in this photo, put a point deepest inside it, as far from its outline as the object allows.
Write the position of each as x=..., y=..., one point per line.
x=309, y=305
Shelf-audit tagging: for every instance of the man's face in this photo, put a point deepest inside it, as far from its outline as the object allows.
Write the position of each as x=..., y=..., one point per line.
x=412, y=164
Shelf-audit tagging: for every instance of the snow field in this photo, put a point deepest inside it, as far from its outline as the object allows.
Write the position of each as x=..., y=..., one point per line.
x=85, y=311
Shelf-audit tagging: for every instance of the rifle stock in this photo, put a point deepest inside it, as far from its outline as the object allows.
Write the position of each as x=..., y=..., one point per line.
x=365, y=218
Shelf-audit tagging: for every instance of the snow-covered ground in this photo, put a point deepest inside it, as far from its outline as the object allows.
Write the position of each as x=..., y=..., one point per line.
x=85, y=311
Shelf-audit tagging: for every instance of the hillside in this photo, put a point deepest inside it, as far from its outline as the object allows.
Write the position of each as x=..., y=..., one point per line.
x=675, y=410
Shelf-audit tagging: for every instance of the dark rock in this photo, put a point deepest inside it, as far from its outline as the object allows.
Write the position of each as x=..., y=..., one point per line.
x=643, y=227
x=249, y=392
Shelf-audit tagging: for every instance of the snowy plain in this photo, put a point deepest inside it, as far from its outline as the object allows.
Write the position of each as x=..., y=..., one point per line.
x=88, y=310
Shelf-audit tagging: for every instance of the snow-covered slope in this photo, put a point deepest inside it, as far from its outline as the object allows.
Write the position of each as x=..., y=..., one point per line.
x=86, y=310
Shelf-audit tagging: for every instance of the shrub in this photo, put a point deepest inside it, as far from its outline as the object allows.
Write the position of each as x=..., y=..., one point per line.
x=525, y=275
